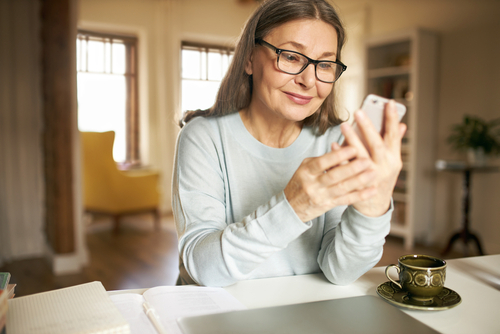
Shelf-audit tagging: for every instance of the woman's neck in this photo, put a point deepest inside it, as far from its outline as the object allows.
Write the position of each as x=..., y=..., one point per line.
x=270, y=130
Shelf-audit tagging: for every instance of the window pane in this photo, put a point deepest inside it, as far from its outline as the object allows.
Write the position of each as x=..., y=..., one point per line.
x=79, y=55
x=225, y=63
x=191, y=64
x=198, y=94
x=118, y=58
x=107, y=56
x=101, y=107
x=95, y=56
x=215, y=66
x=202, y=73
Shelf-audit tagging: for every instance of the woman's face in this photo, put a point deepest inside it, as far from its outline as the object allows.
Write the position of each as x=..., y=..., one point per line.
x=287, y=96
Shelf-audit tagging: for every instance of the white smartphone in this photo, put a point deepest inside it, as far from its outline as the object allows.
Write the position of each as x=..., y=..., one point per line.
x=374, y=106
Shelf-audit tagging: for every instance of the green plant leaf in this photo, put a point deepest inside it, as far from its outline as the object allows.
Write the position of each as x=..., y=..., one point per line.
x=475, y=132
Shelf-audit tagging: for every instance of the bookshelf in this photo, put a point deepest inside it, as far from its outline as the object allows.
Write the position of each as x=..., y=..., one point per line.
x=404, y=66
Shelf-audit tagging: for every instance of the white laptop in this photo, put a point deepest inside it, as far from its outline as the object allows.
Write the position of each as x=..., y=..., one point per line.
x=365, y=314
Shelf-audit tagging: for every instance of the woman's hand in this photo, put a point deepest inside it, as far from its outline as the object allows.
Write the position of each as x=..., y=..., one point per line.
x=351, y=174
x=324, y=182
x=385, y=155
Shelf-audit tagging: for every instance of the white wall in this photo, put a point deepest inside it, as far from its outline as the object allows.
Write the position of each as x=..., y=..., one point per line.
x=219, y=21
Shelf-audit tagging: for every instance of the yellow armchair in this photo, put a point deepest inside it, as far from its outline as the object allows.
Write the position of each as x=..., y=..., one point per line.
x=108, y=190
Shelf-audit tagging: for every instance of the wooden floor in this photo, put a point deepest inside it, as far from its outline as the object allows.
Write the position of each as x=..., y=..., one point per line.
x=138, y=257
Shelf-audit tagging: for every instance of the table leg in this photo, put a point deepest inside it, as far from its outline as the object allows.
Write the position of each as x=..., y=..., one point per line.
x=454, y=238
x=464, y=235
x=478, y=243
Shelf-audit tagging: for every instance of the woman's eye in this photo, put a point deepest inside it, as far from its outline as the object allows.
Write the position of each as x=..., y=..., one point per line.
x=290, y=57
x=325, y=66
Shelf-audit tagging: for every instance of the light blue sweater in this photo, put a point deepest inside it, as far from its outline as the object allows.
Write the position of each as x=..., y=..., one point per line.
x=234, y=222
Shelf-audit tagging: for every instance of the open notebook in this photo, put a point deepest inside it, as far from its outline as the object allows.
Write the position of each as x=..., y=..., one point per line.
x=170, y=303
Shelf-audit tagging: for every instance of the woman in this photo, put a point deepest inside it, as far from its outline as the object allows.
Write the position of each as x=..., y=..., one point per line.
x=265, y=184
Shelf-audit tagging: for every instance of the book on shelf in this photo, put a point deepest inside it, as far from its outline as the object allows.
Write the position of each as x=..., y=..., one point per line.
x=4, y=280
x=84, y=308
x=168, y=303
x=395, y=88
x=401, y=182
x=392, y=88
x=399, y=213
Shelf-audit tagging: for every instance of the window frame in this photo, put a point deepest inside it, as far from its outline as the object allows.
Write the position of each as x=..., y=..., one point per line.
x=131, y=43
x=206, y=48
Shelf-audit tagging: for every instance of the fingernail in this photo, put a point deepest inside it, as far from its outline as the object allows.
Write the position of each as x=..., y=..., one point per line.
x=360, y=114
x=392, y=105
x=344, y=126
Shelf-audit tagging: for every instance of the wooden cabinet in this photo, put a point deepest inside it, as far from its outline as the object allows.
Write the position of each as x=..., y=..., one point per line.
x=404, y=66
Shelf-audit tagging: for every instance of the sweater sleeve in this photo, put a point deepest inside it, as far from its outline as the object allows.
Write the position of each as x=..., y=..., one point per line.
x=214, y=250
x=352, y=246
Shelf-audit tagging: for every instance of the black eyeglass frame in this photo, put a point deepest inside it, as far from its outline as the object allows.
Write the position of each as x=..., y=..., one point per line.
x=309, y=60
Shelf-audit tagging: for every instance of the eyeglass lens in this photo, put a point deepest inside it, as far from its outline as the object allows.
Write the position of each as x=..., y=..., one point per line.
x=294, y=63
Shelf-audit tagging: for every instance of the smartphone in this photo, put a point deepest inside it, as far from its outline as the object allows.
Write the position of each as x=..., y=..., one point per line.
x=373, y=106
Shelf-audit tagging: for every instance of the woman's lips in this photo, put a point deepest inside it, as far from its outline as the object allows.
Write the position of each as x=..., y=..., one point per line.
x=299, y=99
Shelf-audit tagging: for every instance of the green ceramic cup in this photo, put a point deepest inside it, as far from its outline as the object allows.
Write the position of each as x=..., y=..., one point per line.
x=422, y=276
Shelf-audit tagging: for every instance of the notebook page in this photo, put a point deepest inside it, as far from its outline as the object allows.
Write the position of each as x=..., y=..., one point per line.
x=172, y=302
x=130, y=306
x=84, y=308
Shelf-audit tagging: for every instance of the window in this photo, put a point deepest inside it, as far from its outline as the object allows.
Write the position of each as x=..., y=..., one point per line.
x=107, y=90
x=203, y=68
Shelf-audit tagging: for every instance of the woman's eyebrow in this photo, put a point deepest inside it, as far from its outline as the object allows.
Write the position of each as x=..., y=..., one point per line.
x=301, y=47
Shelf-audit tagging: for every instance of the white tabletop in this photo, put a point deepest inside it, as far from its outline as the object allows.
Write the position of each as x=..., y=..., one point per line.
x=475, y=279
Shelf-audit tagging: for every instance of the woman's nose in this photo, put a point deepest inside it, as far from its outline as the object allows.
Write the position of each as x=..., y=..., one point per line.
x=307, y=77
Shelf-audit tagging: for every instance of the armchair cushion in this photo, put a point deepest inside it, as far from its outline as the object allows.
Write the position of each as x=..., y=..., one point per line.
x=106, y=188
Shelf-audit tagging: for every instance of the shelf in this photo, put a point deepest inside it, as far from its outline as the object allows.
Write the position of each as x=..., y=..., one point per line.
x=403, y=66
x=404, y=102
x=388, y=72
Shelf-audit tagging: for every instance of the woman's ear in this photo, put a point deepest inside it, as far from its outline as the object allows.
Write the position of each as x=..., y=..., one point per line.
x=248, y=66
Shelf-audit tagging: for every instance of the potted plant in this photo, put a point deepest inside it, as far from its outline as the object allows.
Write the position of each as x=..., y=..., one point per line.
x=476, y=136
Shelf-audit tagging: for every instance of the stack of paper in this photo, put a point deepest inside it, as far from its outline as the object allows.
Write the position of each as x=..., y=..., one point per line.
x=84, y=308
x=3, y=310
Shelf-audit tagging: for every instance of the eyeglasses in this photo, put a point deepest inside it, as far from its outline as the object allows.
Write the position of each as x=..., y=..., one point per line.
x=292, y=62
